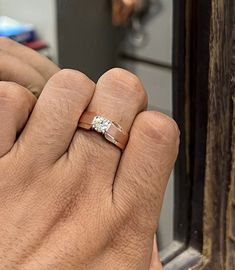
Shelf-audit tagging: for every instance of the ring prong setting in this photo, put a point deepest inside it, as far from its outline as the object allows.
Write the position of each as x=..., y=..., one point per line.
x=101, y=124
x=110, y=130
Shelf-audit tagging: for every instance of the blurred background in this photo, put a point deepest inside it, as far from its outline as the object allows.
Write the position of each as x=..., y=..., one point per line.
x=81, y=34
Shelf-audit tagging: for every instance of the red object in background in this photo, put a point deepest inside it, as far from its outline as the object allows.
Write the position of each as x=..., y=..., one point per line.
x=36, y=45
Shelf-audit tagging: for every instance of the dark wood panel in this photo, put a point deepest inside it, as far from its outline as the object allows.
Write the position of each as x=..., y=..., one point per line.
x=182, y=181
x=218, y=180
x=190, y=109
x=208, y=99
x=198, y=91
x=230, y=232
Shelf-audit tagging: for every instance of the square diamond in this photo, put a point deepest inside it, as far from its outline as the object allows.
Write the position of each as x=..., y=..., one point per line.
x=101, y=124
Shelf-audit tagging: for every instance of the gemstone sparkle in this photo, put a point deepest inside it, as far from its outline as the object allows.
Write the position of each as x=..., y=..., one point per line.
x=101, y=124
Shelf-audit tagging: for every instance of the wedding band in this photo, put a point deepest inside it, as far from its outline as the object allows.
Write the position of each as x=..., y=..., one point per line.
x=111, y=131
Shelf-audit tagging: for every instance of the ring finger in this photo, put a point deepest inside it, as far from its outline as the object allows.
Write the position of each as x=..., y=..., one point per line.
x=119, y=96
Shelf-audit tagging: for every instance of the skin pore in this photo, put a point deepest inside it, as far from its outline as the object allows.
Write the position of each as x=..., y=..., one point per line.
x=69, y=199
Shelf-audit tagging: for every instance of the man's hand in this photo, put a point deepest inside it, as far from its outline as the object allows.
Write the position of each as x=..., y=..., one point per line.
x=69, y=199
x=25, y=71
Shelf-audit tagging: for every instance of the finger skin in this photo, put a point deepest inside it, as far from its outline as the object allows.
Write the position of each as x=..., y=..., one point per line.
x=141, y=180
x=16, y=104
x=145, y=168
x=119, y=96
x=49, y=219
x=38, y=62
x=54, y=120
x=13, y=69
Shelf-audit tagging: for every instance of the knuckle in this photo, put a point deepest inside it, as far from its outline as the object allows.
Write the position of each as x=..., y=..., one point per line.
x=125, y=81
x=160, y=126
x=119, y=73
x=71, y=80
x=13, y=94
x=4, y=42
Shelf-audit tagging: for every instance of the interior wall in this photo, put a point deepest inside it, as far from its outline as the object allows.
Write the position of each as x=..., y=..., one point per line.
x=42, y=14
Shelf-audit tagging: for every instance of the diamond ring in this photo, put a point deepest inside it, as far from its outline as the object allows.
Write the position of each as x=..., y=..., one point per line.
x=112, y=131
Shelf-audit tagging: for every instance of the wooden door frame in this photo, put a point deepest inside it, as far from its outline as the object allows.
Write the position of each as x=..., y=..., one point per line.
x=204, y=102
x=219, y=200
x=206, y=42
